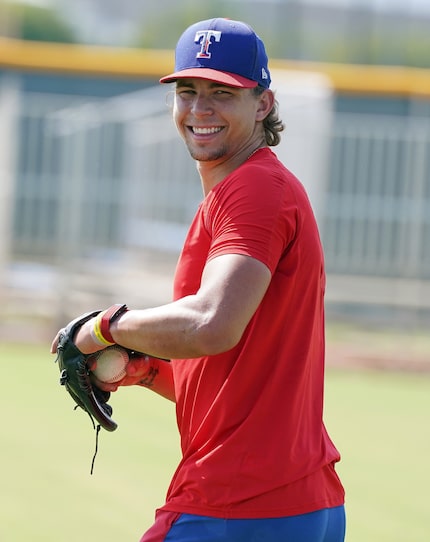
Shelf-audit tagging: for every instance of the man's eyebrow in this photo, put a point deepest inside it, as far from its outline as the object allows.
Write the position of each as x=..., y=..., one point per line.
x=184, y=83
x=214, y=84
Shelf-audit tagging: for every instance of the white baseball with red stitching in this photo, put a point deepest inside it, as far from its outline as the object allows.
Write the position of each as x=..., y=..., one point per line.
x=111, y=364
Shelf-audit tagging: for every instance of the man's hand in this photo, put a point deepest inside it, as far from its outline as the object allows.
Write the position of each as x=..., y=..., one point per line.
x=83, y=339
x=140, y=370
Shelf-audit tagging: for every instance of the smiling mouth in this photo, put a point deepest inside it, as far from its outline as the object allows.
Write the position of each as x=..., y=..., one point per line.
x=206, y=131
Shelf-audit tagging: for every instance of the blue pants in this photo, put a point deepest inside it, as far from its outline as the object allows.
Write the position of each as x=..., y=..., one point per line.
x=326, y=525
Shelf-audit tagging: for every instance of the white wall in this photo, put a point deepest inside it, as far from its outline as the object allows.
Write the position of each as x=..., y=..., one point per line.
x=306, y=106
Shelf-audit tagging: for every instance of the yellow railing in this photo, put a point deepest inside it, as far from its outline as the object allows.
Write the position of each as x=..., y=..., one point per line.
x=145, y=63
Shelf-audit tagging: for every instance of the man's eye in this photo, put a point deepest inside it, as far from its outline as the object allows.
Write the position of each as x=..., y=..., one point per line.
x=185, y=92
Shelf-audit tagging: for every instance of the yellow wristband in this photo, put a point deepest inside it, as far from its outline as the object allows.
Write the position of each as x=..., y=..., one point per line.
x=97, y=334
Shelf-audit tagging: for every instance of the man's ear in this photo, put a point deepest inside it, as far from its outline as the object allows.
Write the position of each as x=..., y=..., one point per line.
x=266, y=101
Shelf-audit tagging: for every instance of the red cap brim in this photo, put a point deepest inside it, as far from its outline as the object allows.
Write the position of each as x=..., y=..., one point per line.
x=225, y=78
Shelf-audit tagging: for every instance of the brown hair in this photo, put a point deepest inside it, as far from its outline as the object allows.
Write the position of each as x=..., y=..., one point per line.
x=272, y=124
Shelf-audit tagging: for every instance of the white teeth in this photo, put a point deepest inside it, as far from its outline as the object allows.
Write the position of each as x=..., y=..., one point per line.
x=213, y=130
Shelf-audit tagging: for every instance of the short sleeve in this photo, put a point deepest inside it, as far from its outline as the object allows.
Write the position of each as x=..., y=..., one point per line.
x=252, y=212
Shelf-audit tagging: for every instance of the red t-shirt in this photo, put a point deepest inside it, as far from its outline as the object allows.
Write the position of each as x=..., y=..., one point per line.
x=253, y=440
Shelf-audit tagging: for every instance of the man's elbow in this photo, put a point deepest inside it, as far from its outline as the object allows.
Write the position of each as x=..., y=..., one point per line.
x=216, y=338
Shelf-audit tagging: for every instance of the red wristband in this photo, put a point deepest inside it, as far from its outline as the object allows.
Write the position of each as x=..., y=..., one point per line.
x=109, y=316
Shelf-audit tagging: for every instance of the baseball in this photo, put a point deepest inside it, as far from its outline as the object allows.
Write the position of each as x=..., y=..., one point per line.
x=111, y=363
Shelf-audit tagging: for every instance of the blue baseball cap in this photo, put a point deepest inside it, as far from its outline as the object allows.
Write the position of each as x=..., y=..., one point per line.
x=222, y=50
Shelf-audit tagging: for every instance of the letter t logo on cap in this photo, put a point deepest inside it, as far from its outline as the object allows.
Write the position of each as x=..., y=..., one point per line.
x=204, y=37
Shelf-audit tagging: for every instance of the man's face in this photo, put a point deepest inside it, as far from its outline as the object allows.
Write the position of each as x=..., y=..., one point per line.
x=216, y=121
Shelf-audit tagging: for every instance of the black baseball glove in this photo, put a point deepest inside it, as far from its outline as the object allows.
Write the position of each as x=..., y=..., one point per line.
x=75, y=376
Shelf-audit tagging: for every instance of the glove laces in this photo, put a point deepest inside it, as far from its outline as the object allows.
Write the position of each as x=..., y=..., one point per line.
x=96, y=449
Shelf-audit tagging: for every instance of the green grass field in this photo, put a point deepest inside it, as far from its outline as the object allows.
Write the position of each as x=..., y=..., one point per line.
x=380, y=421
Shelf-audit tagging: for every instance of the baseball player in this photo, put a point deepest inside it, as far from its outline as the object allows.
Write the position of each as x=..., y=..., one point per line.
x=245, y=329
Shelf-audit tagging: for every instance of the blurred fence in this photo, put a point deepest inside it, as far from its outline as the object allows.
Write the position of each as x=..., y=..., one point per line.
x=96, y=183
x=377, y=216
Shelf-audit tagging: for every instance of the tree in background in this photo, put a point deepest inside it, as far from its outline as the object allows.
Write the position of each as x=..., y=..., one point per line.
x=36, y=23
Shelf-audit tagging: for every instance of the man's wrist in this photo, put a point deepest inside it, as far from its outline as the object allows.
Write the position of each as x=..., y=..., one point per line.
x=100, y=331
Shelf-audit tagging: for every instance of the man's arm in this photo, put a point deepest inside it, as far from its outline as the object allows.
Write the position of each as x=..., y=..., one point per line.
x=206, y=323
